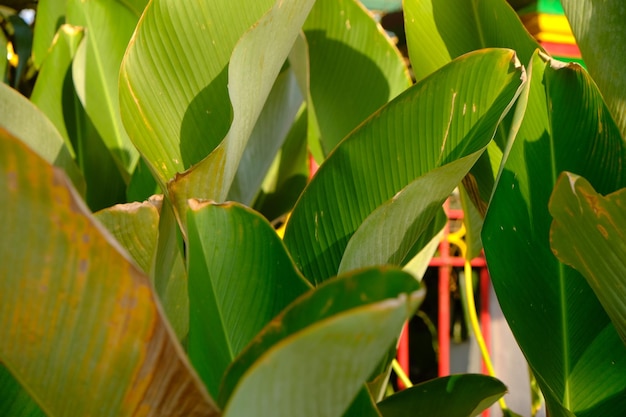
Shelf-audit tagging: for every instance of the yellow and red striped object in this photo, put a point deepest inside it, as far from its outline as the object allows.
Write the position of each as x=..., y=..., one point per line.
x=545, y=20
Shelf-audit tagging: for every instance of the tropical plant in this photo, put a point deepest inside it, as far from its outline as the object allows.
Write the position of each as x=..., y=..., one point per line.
x=162, y=142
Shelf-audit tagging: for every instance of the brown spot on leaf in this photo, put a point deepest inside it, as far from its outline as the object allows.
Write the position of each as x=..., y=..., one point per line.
x=12, y=181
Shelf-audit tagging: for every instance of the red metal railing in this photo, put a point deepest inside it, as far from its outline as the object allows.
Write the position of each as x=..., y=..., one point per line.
x=445, y=262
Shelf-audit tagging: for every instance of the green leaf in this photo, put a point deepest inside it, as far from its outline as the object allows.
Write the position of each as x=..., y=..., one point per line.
x=136, y=6
x=81, y=329
x=142, y=184
x=240, y=277
x=452, y=396
x=22, y=119
x=136, y=228
x=169, y=273
x=148, y=232
x=184, y=104
x=55, y=95
x=438, y=31
x=588, y=234
x=418, y=259
x=441, y=30
x=448, y=116
x=354, y=68
x=53, y=91
x=362, y=406
x=569, y=342
x=50, y=17
x=601, y=36
x=383, y=5
x=96, y=66
x=288, y=175
x=409, y=213
x=269, y=134
x=15, y=401
x=173, y=80
x=4, y=62
x=279, y=27
x=329, y=340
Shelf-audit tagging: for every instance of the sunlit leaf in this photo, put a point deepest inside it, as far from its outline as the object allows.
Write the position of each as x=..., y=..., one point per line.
x=148, y=231
x=53, y=92
x=441, y=30
x=409, y=213
x=4, y=62
x=448, y=116
x=558, y=322
x=136, y=228
x=55, y=95
x=240, y=277
x=268, y=136
x=329, y=340
x=50, y=17
x=22, y=119
x=96, y=68
x=354, y=68
x=80, y=327
x=588, y=233
x=213, y=176
x=601, y=36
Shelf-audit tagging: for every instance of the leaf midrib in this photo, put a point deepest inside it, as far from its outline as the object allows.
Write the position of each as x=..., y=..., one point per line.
x=561, y=268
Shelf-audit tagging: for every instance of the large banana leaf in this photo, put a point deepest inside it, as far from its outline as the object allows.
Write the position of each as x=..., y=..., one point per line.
x=449, y=115
x=567, y=338
x=148, y=232
x=329, y=340
x=452, y=396
x=50, y=16
x=440, y=30
x=601, y=36
x=288, y=174
x=55, y=95
x=268, y=136
x=353, y=68
x=24, y=120
x=53, y=92
x=222, y=49
x=173, y=80
x=109, y=25
x=252, y=69
x=589, y=233
x=409, y=213
x=136, y=227
x=240, y=277
x=169, y=272
x=80, y=328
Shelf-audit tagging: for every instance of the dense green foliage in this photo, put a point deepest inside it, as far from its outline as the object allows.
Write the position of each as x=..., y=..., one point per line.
x=148, y=149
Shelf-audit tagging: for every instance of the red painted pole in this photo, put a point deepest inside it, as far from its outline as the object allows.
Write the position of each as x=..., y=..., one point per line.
x=403, y=353
x=444, y=302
